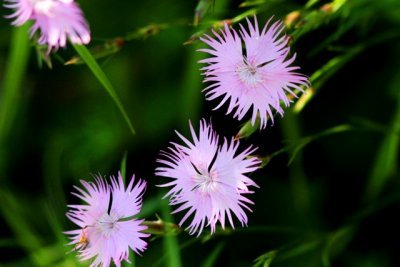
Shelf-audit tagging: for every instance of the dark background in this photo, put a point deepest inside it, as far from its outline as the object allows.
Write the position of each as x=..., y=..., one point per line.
x=316, y=211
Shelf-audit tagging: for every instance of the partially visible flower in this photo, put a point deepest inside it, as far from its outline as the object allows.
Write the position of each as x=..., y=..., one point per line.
x=57, y=21
x=208, y=179
x=254, y=75
x=107, y=227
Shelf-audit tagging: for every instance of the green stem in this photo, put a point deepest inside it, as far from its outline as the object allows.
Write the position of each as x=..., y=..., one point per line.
x=13, y=77
x=191, y=91
x=171, y=245
x=192, y=85
x=301, y=193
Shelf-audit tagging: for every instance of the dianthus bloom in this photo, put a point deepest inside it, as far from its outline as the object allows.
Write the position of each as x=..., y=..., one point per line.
x=107, y=228
x=208, y=179
x=257, y=73
x=57, y=20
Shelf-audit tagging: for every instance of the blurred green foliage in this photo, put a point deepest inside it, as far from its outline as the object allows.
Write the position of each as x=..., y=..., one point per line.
x=329, y=187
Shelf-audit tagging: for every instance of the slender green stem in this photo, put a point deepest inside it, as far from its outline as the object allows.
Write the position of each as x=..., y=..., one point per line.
x=212, y=258
x=171, y=245
x=13, y=77
x=300, y=190
x=191, y=94
x=191, y=90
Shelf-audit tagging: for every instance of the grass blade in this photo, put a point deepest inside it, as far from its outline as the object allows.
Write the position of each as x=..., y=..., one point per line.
x=386, y=160
x=212, y=258
x=102, y=78
x=10, y=210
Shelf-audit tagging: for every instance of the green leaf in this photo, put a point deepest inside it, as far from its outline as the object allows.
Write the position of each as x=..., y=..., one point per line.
x=384, y=166
x=266, y=259
x=252, y=3
x=108, y=48
x=336, y=243
x=102, y=78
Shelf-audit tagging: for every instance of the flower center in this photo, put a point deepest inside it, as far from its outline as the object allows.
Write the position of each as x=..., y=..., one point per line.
x=248, y=74
x=206, y=181
x=107, y=224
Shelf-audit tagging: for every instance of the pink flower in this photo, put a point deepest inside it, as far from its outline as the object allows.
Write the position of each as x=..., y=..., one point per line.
x=208, y=179
x=57, y=20
x=256, y=74
x=107, y=228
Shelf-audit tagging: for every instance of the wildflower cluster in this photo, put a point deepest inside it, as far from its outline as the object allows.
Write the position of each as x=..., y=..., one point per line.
x=249, y=69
